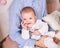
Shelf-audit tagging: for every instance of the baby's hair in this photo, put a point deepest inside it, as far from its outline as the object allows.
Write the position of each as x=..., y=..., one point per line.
x=28, y=9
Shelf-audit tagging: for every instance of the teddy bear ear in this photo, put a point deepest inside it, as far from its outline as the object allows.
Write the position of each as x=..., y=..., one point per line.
x=3, y=2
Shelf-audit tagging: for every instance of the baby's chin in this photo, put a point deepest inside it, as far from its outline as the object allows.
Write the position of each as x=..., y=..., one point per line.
x=30, y=26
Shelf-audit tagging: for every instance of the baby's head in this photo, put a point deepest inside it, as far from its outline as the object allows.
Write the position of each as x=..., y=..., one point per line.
x=28, y=16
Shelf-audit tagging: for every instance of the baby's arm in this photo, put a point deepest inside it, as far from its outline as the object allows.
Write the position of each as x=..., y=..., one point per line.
x=36, y=32
x=40, y=28
x=50, y=33
x=44, y=28
x=25, y=31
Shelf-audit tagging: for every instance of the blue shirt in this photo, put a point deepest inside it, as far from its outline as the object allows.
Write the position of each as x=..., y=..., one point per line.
x=15, y=17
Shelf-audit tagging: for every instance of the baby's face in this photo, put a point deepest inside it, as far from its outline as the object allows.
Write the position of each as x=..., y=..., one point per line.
x=29, y=18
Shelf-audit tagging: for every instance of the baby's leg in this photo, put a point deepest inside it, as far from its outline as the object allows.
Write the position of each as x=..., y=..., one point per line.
x=50, y=43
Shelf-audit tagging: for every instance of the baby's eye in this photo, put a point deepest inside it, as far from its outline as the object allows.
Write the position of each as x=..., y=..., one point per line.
x=24, y=19
x=30, y=18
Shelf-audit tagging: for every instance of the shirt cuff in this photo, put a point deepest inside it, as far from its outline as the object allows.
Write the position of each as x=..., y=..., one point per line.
x=25, y=34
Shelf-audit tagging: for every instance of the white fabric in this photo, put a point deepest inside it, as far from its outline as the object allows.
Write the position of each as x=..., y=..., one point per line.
x=41, y=26
x=27, y=47
x=53, y=20
x=36, y=37
x=50, y=43
x=58, y=35
x=25, y=34
x=38, y=25
x=50, y=34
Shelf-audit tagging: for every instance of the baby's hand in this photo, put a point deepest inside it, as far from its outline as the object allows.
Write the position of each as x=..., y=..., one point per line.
x=24, y=25
x=36, y=32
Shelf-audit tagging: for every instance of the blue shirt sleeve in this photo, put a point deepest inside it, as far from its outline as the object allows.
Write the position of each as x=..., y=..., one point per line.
x=40, y=8
x=15, y=16
x=15, y=19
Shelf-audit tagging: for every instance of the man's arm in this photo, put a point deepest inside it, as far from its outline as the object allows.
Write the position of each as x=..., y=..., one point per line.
x=45, y=8
x=8, y=43
x=15, y=19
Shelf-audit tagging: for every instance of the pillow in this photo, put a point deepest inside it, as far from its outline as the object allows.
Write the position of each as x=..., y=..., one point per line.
x=53, y=20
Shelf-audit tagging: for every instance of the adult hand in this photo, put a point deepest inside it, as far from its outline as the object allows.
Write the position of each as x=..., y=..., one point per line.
x=56, y=40
x=40, y=42
x=8, y=43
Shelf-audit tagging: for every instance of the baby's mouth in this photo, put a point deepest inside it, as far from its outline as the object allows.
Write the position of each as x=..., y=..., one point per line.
x=28, y=23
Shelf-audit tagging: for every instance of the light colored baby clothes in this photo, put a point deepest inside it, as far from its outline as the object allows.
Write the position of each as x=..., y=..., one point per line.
x=41, y=26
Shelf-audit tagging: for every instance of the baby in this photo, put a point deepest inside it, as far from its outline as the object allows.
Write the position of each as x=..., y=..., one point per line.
x=34, y=28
